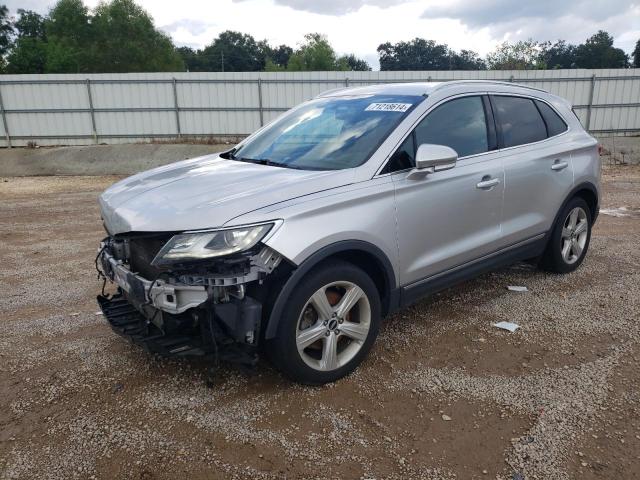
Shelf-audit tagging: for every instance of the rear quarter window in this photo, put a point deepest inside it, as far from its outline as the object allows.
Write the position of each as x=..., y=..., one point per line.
x=555, y=123
x=519, y=120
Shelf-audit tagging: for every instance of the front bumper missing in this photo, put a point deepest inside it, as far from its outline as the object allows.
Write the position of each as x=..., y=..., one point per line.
x=172, y=318
x=126, y=321
x=170, y=298
x=214, y=332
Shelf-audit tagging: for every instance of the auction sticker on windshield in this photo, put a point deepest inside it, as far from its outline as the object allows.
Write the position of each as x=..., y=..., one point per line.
x=388, y=107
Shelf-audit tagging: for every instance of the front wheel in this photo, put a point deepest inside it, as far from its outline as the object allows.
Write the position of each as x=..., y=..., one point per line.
x=569, y=239
x=328, y=326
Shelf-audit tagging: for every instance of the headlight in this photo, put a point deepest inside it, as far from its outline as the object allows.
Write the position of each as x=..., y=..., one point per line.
x=216, y=243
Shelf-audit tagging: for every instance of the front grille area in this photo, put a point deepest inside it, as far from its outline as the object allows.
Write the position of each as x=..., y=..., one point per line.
x=142, y=251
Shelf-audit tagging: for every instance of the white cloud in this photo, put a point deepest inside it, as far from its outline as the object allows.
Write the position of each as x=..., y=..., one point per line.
x=359, y=26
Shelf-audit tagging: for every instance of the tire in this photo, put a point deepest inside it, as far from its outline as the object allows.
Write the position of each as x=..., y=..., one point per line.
x=326, y=324
x=569, y=239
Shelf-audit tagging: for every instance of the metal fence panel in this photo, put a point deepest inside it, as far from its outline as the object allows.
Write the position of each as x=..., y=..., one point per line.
x=117, y=108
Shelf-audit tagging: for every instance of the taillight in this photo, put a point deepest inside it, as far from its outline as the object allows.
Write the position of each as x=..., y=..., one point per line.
x=600, y=149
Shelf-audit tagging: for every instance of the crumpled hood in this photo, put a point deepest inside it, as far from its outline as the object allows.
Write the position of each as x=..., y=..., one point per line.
x=205, y=192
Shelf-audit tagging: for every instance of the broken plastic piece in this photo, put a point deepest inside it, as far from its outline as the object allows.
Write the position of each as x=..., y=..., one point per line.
x=512, y=327
x=517, y=288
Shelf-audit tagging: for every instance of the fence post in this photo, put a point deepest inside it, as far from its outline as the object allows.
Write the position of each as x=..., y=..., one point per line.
x=590, y=104
x=346, y=82
x=176, y=108
x=93, y=115
x=260, y=109
x=4, y=122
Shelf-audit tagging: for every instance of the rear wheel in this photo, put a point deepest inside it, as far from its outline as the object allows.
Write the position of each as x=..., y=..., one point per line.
x=570, y=238
x=328, y=326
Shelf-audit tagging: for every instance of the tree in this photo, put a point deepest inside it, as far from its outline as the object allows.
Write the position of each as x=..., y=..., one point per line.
x=68, y=32
x=29, y=53
x=636, y=55
x=315, y=54
x=421, y=54
x=353, y=63
x=521, y=55
x=280, y=56
x=418, y=54
x=558, y=55
x=126, y=40
x=192, y=59
x=598, y=52
x=233, y=52
x=466, y=60
x=6, y=30
x=29, y=24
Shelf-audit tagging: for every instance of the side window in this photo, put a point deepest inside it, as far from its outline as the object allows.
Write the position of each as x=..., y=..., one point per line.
x=555, y=124
x=459, y=124
x=403, y=158
x=519, y=120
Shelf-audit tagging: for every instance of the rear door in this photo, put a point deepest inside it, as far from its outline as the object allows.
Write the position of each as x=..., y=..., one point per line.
x=538, y=170
x=448, y=218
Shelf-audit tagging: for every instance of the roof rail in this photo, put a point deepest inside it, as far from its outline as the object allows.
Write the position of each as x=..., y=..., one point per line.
x=444, y=84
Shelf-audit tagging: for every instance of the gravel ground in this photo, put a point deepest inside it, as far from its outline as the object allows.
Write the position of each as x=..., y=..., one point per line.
x=443, y=394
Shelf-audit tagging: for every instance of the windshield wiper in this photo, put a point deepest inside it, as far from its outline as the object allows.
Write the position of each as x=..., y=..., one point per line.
x=266, y=161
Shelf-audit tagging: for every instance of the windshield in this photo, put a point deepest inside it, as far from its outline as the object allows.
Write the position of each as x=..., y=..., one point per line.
x=327, y=133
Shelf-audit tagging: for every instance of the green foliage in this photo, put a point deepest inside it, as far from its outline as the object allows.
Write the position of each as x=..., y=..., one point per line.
x=29, y=24
x=68, y=33
x=29, y=53
x=598, y=52
x=280, y=55
x=315, y=54
x=233, y=52
x=421, y=54
x=125, y=40
x=522, y=55
x=119, y=36
x=636, y=55
x=353, y=63
x=558, y=55
x=467, y=60
x=6, y=30
x=191, y=58
x=271, y=66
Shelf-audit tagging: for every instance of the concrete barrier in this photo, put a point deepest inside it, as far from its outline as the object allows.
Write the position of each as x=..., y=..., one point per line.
x=98, y=159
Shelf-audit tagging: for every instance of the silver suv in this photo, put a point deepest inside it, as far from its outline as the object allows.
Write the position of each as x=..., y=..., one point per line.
x=299, y=240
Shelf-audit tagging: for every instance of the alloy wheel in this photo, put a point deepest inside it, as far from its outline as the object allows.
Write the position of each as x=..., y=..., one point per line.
x=574, y=235
x=333, y=325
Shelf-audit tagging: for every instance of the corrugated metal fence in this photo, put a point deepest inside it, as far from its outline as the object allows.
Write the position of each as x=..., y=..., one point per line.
x=124, y=108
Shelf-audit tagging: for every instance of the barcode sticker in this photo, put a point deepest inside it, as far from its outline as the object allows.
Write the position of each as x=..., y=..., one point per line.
x=388, y=107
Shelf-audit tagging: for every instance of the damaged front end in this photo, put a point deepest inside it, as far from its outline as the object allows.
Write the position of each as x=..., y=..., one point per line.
x=194, y=293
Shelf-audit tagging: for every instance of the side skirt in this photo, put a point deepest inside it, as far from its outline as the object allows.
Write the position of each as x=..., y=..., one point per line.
x=531, y=248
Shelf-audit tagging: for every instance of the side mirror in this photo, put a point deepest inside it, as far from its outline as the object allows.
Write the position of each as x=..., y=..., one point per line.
x=432, y=158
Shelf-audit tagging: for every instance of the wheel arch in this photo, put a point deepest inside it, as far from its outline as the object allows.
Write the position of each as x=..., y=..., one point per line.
x=589, y=193
x=364, y=255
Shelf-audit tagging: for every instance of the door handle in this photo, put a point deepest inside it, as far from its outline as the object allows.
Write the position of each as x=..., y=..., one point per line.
x=488, y=183
x=557, y=166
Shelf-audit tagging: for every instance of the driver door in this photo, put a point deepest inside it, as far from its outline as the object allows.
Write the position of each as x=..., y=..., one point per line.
x=448, y=218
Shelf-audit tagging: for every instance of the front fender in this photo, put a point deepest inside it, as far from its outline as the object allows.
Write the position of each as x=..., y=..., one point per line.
x=330, y=250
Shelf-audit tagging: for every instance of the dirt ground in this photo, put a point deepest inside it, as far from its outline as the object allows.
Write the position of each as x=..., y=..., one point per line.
x=444, y=394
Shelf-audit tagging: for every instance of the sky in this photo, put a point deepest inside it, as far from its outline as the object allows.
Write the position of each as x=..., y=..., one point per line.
x=359, y=26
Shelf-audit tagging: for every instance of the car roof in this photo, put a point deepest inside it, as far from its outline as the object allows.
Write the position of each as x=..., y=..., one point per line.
x=423, y=88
